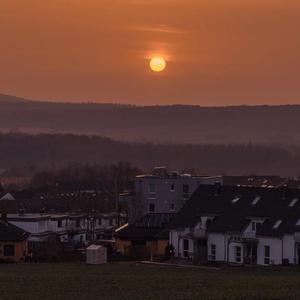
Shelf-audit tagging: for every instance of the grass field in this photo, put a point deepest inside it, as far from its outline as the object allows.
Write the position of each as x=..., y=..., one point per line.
x=131, y=281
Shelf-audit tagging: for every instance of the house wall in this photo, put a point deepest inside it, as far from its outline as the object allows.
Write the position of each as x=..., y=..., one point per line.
x=157, y=247
x=121, y=245
x=164, y=198
x=221, y=247
x=32, y=227
x=20, y=251
x=289, y=248
x=275, y=250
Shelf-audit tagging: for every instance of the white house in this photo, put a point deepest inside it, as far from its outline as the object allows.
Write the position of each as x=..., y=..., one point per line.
x=41, y=226
x=239, y=225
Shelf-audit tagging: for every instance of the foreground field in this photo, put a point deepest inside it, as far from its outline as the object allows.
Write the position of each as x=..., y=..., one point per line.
x=131, y=281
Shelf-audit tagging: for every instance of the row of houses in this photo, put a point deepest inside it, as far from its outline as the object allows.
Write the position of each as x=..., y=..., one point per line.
x=255, y=225
x=24, y=233
x=239, y=225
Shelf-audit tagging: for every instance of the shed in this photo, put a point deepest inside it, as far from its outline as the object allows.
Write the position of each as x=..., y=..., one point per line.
x=96, y=255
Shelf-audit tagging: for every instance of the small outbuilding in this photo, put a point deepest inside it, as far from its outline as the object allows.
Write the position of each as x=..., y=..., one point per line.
x=96, y=255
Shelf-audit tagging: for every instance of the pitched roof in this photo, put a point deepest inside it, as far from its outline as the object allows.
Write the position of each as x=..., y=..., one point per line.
x=271, y=204
x=11, y=233
x=149, y=226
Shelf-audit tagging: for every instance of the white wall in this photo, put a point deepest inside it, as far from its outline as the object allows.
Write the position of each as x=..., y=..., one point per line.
x=31, y=227
x=221, y=248
x=275, y=250
x=289, y=248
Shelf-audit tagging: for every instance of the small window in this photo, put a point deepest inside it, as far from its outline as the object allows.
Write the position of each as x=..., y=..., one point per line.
x=267, y=255
x=238, y=254
x=110, y=222
x=59, y=223
x=293, y=202
x=152, y=188
x=9, y=250
x=277, y=224
x=78, y=223
x=185, y=188
x=151, y=207
x=236, y=199
x=256, y=199
x=253, y=226
x=213, y=250
x=172, y=206
x=172, y=188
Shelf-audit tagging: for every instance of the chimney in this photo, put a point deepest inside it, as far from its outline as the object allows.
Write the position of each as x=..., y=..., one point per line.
x=4, y=217
x=217, y=188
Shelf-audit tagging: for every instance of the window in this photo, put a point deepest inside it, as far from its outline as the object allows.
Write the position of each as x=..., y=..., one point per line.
x=78, y=223
x=172, y=188
x=151, y=207
x=213, y=250
x=293, y=202
x=235, y=200
x=9, y=250
x=185, y=248
x=172, y=206
x=256, y=199
x=59, y=223
x=152, y=188
x=277, y=224
x=238, y=254
x=185, y=188
x=256, y=226
x=110, y=221
x=267, y=255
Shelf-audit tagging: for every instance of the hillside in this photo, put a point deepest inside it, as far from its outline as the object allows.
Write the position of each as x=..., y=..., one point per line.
x=58, y=150
x=276, y=125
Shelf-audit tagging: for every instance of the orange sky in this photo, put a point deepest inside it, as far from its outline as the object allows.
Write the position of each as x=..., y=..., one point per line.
x=219, y=52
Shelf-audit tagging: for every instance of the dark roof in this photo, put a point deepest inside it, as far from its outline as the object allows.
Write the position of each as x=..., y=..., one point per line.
x=272, y=206
x=150, y=226
x=11, y=233
x=255, y=181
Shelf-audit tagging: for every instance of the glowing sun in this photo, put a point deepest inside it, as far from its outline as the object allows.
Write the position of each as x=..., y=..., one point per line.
x=157, y=64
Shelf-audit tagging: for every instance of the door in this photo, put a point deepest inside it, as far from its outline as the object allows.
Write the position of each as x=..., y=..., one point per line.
x=186, y=248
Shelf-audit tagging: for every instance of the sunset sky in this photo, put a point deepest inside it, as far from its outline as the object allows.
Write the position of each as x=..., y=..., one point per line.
x=218, y=52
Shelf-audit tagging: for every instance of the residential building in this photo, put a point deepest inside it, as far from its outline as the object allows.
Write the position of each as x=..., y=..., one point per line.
x=13, y=241
x=162, y=192
x=41, y=226
x=145, y=238
x=240, y=225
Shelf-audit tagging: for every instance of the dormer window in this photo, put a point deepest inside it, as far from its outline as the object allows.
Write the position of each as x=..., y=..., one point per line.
x=277, y=224
x=256, y=199
x=293, y=202
x=236, y=199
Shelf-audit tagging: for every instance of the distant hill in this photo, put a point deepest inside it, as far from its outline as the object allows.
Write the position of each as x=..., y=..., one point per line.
x=59, y=150
x=275, y=125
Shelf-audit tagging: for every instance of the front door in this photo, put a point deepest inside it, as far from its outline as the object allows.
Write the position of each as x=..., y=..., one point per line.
x=250, y=254
x=186, y=248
